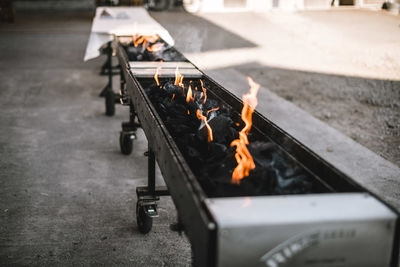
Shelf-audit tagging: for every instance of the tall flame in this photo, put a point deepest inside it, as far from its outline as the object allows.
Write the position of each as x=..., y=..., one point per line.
x=204, y=118
x=177, y=76
x=179, y=80
x=243, y=157
x=144, y=39
x=204, y=91
x=156, y=75
x=189, y=96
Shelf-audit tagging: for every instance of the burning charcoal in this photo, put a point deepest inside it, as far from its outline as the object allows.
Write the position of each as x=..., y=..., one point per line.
x=171, y=89
x=170, y=54
x=213, y=162
x=220, y=126
x=295, y=185
x=134, y=53
x=217, y=152
x=262, y=153
x=210, y=104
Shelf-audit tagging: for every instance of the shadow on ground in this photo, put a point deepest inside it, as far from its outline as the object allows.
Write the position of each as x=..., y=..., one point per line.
x=200, y=35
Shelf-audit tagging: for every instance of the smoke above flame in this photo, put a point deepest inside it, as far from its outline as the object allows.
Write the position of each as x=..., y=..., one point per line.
x=243, y=156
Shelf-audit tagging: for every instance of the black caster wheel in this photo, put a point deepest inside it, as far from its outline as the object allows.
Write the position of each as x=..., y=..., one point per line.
x=126, y=142
x=110, y=103
x=143, y=220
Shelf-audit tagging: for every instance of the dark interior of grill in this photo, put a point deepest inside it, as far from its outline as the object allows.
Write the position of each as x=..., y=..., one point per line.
x=276, y=172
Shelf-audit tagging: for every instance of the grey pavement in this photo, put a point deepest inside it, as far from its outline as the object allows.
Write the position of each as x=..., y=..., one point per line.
x=67, y=194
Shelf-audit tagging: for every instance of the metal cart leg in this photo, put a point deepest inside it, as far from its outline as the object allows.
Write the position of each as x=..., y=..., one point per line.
x=107, y=92
x=128, y=133
x=146, y=206
x=107, y=66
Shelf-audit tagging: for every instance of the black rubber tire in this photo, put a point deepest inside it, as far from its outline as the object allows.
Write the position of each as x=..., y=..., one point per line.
x=110, y=103
x=144, y=221
x=125, y=143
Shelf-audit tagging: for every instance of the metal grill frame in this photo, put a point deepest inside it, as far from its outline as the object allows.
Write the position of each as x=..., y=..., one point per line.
x=186, y=192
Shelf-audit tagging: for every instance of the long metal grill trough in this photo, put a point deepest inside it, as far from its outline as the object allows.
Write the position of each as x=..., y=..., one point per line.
x=335, y=223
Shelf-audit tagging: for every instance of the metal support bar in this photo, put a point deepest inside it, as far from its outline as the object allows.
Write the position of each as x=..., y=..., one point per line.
x=109, y=67
x=151, y=178
x=143, y=191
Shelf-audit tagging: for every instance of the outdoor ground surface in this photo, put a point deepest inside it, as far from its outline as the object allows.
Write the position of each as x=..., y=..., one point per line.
x=67, y=195
x=341, y=66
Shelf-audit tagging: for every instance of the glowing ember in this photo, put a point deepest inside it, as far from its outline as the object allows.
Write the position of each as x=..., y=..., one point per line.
x=243, y=157
x=189, y=96
x=173, y=96
x=204, y=118
x=204, y=91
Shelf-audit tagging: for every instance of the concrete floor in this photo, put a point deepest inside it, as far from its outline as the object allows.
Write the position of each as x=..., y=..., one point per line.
x=342, y=66
x=67, y=194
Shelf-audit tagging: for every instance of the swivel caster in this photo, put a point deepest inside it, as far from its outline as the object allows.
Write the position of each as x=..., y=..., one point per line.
x=145, y=211
x=126, y=142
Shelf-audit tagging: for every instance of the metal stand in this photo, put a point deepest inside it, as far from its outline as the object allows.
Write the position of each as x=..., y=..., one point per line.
x=128, y=133
x=107, y=66
x=110, y=97
x=146, y=206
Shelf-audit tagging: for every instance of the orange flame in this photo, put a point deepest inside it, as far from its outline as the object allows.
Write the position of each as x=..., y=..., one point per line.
x=243, y=157
x=179, y=80
x=204, y=91
x=189, y=96
x=137, y=42
x=173, y=96
x=144, y=39
x=155, y=47
x=178, y=76
x=211, y=110
x=156, y=75
x=204, y=118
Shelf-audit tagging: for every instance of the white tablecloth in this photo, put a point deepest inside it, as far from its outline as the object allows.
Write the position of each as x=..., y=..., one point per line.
x=120, y=21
